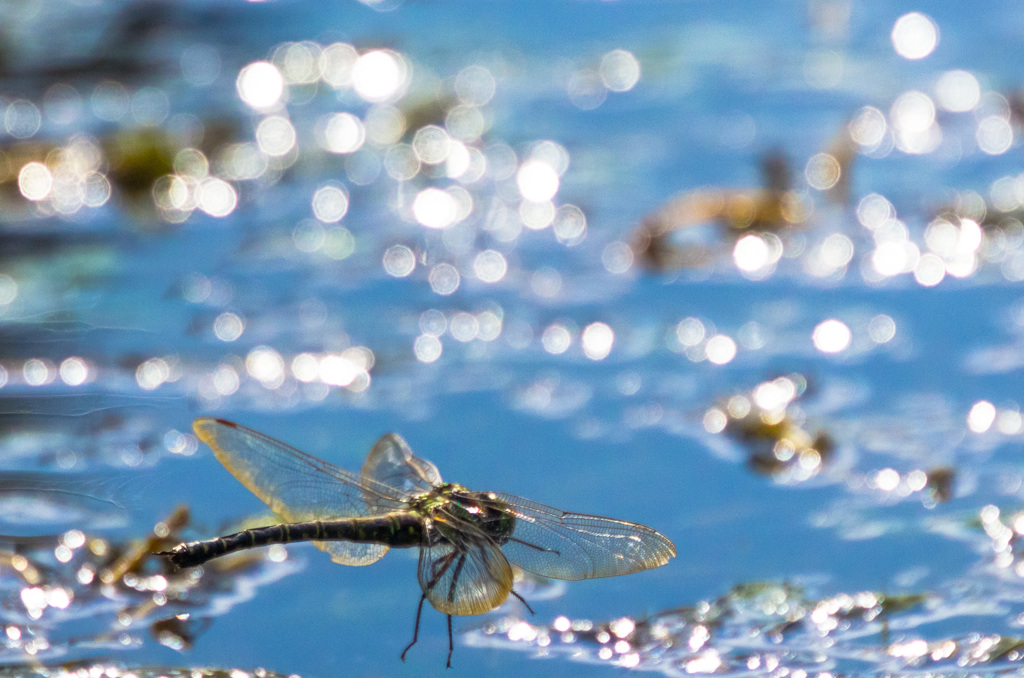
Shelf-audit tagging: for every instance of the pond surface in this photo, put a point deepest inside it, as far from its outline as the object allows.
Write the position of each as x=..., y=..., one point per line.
x=747, y=273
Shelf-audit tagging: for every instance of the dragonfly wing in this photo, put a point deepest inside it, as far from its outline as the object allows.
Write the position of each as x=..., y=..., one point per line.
x=461, y=570
x=298, y=486
x=392, y=463
x=575, y=546
x=347, y=553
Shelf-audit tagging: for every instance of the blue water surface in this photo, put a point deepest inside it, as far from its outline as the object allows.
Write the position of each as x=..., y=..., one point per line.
x=136, y=287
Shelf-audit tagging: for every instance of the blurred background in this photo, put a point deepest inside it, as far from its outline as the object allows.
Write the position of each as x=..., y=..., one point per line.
x=747, y=273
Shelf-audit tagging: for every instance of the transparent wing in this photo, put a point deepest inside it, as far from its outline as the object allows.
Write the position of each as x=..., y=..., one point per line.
x=574, y=546
x=298, y=486
x=462, y=571
x=392, y=463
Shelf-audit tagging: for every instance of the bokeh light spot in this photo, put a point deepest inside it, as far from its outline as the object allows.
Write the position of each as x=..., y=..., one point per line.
x=597, y=340
x=619, y=70
x=330, y=203
x=556, y=339
x=994, y=135
x=617, y=257
x=914, y=36
x=444, y=279
x=275, y=136
x=822, y=171
x=260, y=85
x=720, y=349
x=152, y=373
x=981, y=417
x=475, y=85
x=537, y=180
x=216, y=197
x=882, y=329
x=427, y=348
x=378, y=75
x=74, y=371
x=35, y=181
x=344, y=133
x=399, y=261
x=431, y=144
x=868, y=127
x=228, y=326
x=958, y=91
x=490, y=266
x=266, y=365
x=930, y=270
x=434, y=208
x=831, y=336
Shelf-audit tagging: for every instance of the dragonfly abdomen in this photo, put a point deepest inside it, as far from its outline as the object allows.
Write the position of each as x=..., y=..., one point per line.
x=397, y=530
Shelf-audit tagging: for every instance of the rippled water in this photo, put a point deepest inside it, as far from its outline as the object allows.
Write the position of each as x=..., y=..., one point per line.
x=748, y=274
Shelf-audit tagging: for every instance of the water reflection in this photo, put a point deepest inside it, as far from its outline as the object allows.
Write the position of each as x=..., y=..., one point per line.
x=53, y=581
x=767, y=629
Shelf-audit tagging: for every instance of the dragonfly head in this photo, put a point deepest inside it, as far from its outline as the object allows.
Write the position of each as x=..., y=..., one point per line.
x=483, y=510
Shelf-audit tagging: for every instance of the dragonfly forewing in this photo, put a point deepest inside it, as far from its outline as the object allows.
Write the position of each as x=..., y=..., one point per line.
x=298, y=486
x=573, y=546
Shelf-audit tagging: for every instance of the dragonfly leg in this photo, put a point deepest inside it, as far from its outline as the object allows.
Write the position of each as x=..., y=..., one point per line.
x=522, y=600
x=416, y=629
x=455, y=578
x=451, y=643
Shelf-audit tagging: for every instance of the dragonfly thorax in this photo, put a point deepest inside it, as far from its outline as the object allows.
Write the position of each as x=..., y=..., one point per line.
x=482, y=510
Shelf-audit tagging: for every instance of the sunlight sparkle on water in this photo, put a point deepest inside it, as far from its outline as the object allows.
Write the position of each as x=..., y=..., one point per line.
x=958, y=91
x=434, y=208
x=228, y=326
x=753, y=253
x=831, y=336
x=868, y=127
x=597, y=340
x=74, y=371
x=914, y=36
x=556, y=339
x=619, y=70
x=822, y=171
x=35, y=181
x=715, y=420
x=490, y=266
x=427, y=348
x=994, y=135
x=379, y=75
x=444, y=279
x=226, y=380
x=537, y=180
x=260, y=85
x=617, y=257
x=38, y=372
x=336, y=63
x=431, y=144
x=720, y=349
x=882, y=329
x=981, y=417
x=265, y=365
x=276, y=136
x=343, y=133
x=152, y=373
x=216, y=197
x=399, y=261
x=330, y=203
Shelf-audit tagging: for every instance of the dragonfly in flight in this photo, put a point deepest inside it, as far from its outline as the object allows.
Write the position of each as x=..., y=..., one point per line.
x=467, y=540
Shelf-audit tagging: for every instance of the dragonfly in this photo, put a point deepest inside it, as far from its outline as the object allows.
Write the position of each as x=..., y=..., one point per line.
x=467, y=540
